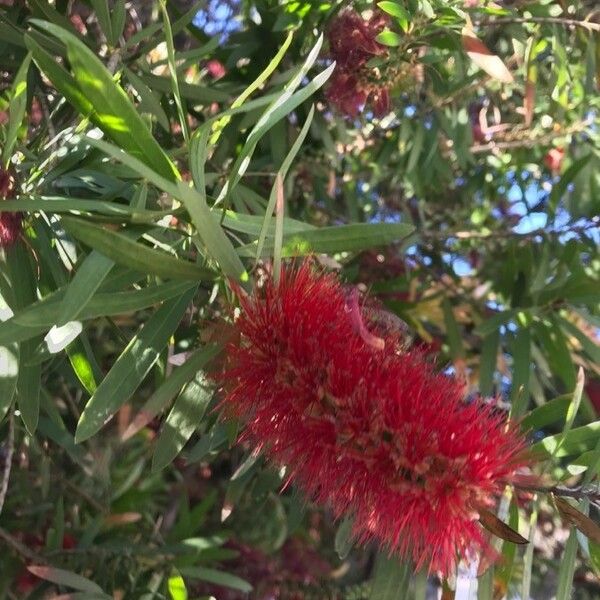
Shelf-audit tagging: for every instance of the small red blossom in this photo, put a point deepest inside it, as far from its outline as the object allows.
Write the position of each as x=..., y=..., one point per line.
x=352, y=43
x=10, y=222
x=554, y=160
x=216, y=69
x=369, y=429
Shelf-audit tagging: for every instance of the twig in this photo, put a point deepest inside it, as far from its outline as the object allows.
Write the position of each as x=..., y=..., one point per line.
x=477, y=235
x=528, y=142
x=592, y=492
x=21, y=548
x=10, y=443
x=548, y=20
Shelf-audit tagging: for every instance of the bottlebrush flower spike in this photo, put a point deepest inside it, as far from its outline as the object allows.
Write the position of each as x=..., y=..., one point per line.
x=368, y=429
x=10, y=222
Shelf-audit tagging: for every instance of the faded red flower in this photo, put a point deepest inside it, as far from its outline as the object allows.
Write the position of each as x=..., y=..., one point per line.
x=10, y=222
x=352, y=43
x=216, y=69
x=362, y=424
x=554, y=160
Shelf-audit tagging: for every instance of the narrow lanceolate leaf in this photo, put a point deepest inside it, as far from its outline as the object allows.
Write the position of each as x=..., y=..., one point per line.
x=125, y=251
x=112, y=110
x=519, y=395
x=499, y=528
x=567, y=568
x=87, y=280
x=169, y=389
x=281, y=175
x=132, y=366
x=211, y=233
x=66, y=578
x=390, y=580
x=573, y=408
x=216, y=577
x=577, y=441
x=18, y=103
x=9, y=364
x=185, y=416
x=486, y=60
x=342, y=238
x=22, y=280
x=575, y=517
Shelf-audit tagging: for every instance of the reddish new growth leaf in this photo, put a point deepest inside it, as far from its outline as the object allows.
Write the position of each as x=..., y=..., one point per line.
x=352, y=44
x=369, y=429
x=10, y=222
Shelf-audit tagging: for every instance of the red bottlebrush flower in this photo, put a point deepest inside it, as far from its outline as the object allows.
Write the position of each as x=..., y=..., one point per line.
x=369, y=429
x=10, y=222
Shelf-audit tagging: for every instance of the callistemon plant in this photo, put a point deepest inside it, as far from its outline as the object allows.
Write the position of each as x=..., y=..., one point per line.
x=364, y=425
x=356, y=81
x=10, y=222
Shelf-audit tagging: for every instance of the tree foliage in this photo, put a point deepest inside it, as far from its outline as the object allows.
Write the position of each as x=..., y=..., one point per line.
x=158, y=158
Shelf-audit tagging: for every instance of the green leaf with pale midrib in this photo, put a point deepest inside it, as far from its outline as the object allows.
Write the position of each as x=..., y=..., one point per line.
x=132, y=366
x=111, y=108
x=122, y=250
x=340, y=238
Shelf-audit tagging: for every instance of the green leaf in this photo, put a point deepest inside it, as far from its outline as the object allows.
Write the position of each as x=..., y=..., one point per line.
x=217, y=577
x=559, y=189
x=168, y=35
x=572, y=410
x=578, y=440
x=40, y=316
x=83, y=286
x=567, y=568
x=556, y=350
x=390, y=580
x=281, y=175
x=132, y=366
x=452, y=331
x=487, y=362
x=211, y=233
x=124, y=251
x=185, y=416
x=9, y=365
x=66, y=578
x=112, y=109
x=22, y=281
x=553, y=411
x=170, y=387
x=103, y=15
x=176, y=585
x=284, y=104
x=519, y=393
x=119, y=16
x=343, y=538
x=339, y=238
x=260, y=80
x=16, y=108
x=389, y=38
x=148, y=101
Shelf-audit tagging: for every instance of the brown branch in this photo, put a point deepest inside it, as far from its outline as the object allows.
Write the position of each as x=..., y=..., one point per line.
x=529, y=142
x=477, y=235
x=592, y=492
x=544, y=20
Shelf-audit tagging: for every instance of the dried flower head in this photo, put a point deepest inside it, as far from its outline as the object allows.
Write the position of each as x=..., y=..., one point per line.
x=364, y=425
x=352, y=43
x=10, y=222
